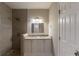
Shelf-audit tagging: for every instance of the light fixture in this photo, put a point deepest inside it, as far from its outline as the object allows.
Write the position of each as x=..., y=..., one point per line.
x=37, y=20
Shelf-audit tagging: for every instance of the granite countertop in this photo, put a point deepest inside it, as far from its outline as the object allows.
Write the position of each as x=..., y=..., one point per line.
x=36, y=36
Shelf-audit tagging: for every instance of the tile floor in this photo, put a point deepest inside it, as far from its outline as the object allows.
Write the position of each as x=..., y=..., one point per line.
x=12, y=53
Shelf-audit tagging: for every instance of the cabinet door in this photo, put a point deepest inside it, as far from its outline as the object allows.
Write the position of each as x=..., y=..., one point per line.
x=27, y=47
x=41, y=47
x=37, y=47
x=47, y=47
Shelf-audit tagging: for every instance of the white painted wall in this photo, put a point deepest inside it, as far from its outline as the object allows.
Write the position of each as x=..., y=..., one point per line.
x=5, y=28
x=53, y=26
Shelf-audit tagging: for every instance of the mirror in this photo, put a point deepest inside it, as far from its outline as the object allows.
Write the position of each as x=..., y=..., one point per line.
x=37, y=27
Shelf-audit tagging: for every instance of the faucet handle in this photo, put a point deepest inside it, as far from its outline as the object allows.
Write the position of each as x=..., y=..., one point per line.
x=76, y=53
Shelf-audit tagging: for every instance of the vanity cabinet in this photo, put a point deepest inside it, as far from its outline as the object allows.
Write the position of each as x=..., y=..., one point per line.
x=37, y=47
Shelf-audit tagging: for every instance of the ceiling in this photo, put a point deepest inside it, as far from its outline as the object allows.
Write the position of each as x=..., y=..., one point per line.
x=28, y=5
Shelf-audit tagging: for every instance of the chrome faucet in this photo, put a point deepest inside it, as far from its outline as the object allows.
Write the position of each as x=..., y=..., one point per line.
x=76, y=53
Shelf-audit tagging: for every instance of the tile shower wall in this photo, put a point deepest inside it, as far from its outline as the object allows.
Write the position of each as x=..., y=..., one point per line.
x=19, y=26
x=5, y=28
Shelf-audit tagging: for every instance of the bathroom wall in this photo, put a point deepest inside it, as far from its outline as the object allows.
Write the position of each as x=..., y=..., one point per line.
x=5, y=28
x=53, y=26
x=19, y=26
x=43, y=13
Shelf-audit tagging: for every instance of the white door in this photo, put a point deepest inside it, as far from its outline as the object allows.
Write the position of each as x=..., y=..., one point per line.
x=68, y=27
